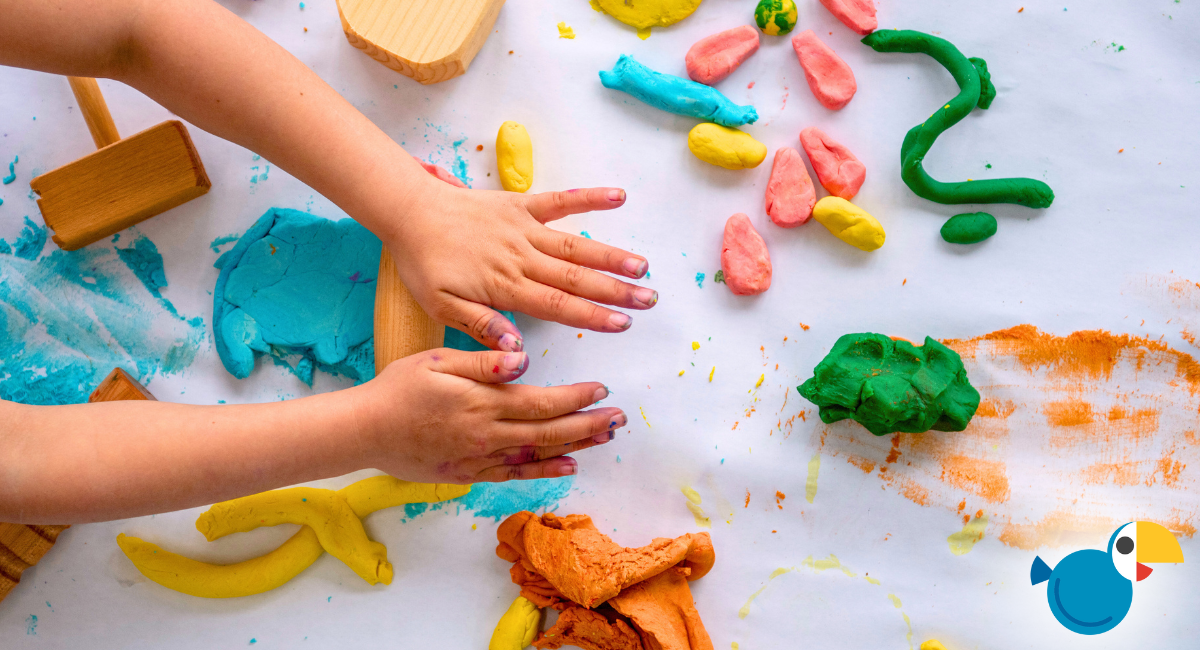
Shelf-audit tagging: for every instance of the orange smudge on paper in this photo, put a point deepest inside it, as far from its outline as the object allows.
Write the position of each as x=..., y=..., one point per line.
x=962, y=505
x=993, y=409
x=734, y=426
x=779, y=497
x=747, y=498
x=862, y=463
x=985, y=478
x=905, y=282
x=1068, y=413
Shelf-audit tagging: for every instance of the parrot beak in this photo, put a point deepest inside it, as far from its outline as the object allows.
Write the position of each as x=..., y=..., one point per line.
x=1155, y=544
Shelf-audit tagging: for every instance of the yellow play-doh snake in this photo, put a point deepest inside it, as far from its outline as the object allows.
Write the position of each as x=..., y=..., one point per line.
x=849, y=223
x=284, y=563
x=517, y=627
x=725, y=147
x=514, y=157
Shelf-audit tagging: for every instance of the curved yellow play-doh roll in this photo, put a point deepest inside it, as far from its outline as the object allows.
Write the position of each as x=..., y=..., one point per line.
x=514, y=157
x=849, y=223
x=725, y=147
x=517, y=627
x=206, y=580
x=339, y=530
x=379, y=492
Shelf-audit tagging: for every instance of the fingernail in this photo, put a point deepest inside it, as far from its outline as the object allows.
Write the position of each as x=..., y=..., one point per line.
x=647, y=297
x=616, y=195
x=601, y=393
x=514, y=361
x=620, y=321
x=601, y=438
x=619, y=420
x=510, y=343
x=635, y=267
x=568, y=467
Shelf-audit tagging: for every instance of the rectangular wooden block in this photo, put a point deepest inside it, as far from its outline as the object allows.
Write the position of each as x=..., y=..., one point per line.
x=23, y=545
x=115, y=187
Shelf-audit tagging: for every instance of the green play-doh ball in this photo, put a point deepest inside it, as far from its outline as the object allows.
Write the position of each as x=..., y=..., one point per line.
x=775, y=17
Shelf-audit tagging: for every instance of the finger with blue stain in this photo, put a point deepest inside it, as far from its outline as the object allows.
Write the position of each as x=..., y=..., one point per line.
x=674, y=94
x=1091, y=591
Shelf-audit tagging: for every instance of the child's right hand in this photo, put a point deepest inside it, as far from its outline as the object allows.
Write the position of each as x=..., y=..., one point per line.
x=446, y=416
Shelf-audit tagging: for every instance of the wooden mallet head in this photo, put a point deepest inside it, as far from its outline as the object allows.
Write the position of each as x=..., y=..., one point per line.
x=123, y=182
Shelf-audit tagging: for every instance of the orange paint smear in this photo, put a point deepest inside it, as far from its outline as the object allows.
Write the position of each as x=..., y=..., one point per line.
x=1074, y=436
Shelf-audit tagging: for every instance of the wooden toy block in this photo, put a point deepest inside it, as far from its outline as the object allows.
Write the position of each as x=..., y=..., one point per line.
x=122, y=183
x=428, y=40
x=401, y=326
x=23, y=545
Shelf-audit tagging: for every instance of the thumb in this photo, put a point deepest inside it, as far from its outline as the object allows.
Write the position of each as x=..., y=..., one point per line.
x=484, y=324
x=489, y=367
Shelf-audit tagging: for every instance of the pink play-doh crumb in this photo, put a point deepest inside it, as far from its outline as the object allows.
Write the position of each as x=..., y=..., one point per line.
x=440, y=173
x=837, y=169
x=831, y=80
x=744, y=258
x=790, y=193
x=713, y=58
x=858, y=15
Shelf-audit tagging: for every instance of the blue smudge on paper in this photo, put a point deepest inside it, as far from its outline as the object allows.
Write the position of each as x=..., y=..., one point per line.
x=459, y=166
x=68, y=318
x=12, y=171
x=499, y=500
x=29, y=244
x=31, y=625
x=700, y=280
x=585, y=234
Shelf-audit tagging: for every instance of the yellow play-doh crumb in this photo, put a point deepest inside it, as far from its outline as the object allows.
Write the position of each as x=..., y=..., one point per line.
x=758, y=384
x=565, y=31
x=680, y=373
x=474, y=526
x=711, y=373
x=933, y=644
x=695, y=345
x=647, y=420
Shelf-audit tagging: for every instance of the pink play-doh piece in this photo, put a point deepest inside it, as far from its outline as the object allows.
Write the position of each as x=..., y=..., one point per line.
x=830, y=78
x=716, y=57
x=441, y=174
x=744, y=258
x=858, y=15
x=790, y=193
x=837, y=169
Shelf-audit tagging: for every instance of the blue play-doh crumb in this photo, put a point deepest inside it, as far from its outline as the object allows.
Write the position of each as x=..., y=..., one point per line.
x=12, y=171
x=700, y=280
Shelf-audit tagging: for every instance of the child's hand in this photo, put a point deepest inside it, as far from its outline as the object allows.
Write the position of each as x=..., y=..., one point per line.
x=466, y=253
x=444, y=416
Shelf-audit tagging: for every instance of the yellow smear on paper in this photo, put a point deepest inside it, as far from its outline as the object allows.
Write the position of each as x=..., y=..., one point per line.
x=745, y=610
x=647, y=420
x=711, y=373
x=871, y=580
x=760, y=380
x=810, y=486
x=734, y=645
x=695, y=345
x=830, y=562
x=565, y=31
x=964, y=540
x=693, y=504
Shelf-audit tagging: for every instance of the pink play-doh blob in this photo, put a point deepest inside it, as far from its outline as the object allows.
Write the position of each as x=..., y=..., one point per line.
x=790, y=194
x=858, y=15
x=831, y=80
x=713, y=58
x=744, y=258
x=837, y=169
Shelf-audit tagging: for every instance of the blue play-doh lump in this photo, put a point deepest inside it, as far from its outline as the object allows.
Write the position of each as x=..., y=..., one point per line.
x=675, y=94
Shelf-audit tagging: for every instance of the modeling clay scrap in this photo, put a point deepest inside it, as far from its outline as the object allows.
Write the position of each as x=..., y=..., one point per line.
x=645, y=14
x=715, y=57
x=975, y=89
x=518, y=627
x=675, y=95
x=514, y=157
x=744, y=258
x=888, y=385
x=790, y=195
x=296, y=283
x=610, y=597
x=849, y=223
x=837, y=169
x=858, y=15
x=831, y=80
x=775, y=17
x=932, y=644
x=440, y=173
x=725, y=147
x=969, y=228
x=564, y=31
x=12, y=171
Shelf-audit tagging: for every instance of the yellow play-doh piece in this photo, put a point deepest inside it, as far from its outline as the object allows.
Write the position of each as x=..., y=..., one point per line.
x=514, y=157
x=932, y=644
x=849, y=223
x=339, y=530
x=269, y=571
x=645, y=14
x=206, y=580
x=726, y=147
x=517, y=627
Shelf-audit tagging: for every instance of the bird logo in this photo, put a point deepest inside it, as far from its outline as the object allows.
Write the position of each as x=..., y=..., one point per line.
x=1090, y=591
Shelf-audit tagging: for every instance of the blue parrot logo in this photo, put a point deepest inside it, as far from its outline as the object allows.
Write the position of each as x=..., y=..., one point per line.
x=1090, y=591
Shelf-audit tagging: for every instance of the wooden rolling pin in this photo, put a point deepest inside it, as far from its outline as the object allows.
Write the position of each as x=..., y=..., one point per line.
x=23, y=545
x=401, y=326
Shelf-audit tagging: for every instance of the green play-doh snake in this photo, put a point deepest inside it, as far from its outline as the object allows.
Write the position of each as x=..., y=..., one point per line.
x=975, y=89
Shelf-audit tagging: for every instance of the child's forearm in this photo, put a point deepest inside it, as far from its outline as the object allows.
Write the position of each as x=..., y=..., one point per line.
x=96, y=462
x=216, y=71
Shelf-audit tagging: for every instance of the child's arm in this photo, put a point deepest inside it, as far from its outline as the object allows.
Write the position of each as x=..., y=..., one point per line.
x=440, y=416
x=462, y=253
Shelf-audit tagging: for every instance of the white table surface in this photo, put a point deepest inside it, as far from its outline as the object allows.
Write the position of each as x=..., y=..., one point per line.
x=1123, y=227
